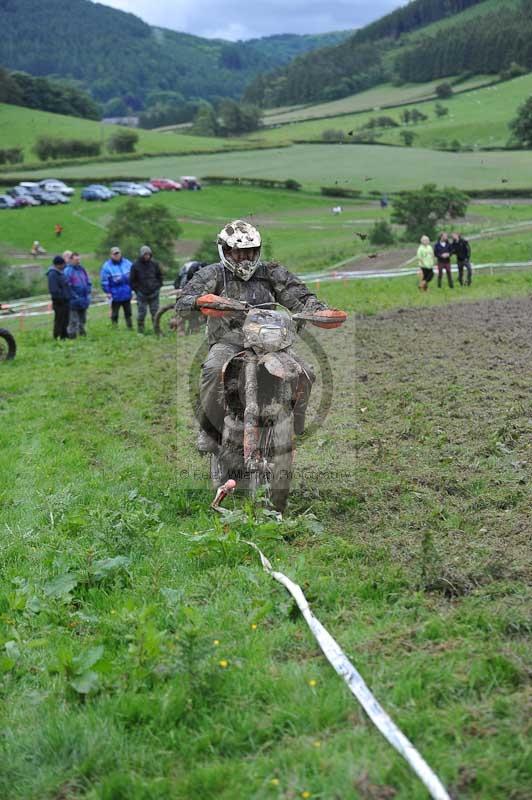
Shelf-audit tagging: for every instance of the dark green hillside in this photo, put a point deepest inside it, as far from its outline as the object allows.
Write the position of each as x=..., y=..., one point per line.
x=116, y=55
x=425, y=40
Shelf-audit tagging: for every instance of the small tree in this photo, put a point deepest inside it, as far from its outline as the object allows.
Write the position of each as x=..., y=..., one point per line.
x=205, y=122
x=440, y=111
x=123, y=141
x=207, y=251
x=421, y=211
x=417, y=116
x=381, y=233
x=333, y=135
x=405, y=116
x=521, y=125
x=407, y=137
x=135, y=224
x=444, y=90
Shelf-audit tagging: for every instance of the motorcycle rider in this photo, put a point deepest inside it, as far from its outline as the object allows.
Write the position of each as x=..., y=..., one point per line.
x=241, y=275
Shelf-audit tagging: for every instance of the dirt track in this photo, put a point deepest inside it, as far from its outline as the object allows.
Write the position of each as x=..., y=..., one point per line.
x=432, y=418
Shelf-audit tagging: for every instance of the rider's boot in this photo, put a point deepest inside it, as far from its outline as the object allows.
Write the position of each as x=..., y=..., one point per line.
x=206, y=442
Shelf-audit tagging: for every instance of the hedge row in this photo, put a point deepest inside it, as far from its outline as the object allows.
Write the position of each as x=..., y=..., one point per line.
x=264, y=183
x=337, y=191
x=11, y=155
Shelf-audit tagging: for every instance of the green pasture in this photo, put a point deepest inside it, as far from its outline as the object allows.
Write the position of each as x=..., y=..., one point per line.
x=20, y=127
x=386, y=168
x=373, y=99
x=373, y=296
x=298, y=227
x=145, y=655
x=478, y=118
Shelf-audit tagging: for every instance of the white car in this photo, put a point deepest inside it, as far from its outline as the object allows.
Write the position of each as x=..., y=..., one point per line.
x=136, y=189
x=53, y=185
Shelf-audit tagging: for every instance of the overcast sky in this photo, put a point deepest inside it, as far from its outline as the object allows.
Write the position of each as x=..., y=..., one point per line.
x=229, y=19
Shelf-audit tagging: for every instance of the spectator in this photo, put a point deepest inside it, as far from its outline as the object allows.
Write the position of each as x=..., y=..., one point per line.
x=114, y=277
x=59, y=291
x=462, y=251
x=67, y=255
x=425, y=260
x=384, y=201
x=58, y=230
x=37, y=250
x=146, y=280
x=443, y=251
x=80, y=287
x=187, y=272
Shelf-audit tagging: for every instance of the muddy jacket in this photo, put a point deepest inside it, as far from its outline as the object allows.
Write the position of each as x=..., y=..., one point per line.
x=146, y=277
x=270, y=283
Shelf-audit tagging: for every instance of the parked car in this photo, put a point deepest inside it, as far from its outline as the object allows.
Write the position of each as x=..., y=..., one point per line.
x=190, y=182
x=149, y=185
x=120, y=187
x=165, y=184
x=46, y=198
x=6, y=201
x=94, y=193
x=61, y=198
x=19, y=191
x=103, y=189
x=53, y=185
x=30, y=185
x=24, y=200
x=138, y=190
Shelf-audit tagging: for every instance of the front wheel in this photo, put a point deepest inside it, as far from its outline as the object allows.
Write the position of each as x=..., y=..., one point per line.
x=8, y=346
x=157, y=322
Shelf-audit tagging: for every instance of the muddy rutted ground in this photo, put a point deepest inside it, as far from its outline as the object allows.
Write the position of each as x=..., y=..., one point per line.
x=444, y=435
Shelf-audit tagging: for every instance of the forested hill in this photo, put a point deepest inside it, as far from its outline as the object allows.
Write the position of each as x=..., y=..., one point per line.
x=118, y=57
x=422, y=41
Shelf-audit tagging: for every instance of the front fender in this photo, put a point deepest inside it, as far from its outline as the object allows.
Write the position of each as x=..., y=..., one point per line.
x=281, y=365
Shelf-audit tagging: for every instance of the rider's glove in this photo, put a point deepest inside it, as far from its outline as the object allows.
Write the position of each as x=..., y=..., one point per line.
x=332, y=318
x=206, y=302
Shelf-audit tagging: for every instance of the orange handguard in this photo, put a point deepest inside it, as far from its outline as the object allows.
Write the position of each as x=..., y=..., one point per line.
x=206, y=302
x=332, y=318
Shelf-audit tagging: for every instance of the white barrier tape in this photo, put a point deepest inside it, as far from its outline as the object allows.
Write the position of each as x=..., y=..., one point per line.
x=339, y=661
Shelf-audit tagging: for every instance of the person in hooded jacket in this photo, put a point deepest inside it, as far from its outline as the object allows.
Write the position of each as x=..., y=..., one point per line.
x=146, y=279
x=60, y=294
x=80, y=288
x=114, y=279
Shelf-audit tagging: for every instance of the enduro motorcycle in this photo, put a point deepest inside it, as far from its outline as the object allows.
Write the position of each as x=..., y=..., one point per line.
x=259, y=385
x=8, y=346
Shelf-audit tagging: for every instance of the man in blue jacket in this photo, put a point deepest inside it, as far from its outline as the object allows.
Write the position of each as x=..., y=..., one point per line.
x=114, y=277
x=60, y=294
x=80, y=287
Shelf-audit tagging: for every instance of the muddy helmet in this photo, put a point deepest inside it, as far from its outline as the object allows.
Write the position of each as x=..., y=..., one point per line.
x=239, y=236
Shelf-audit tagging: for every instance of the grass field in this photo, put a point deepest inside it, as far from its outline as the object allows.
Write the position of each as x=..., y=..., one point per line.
x=389, y=168
x=371, y=99
x=20, y=127
x=465, y=122
x=298, y=228
x=137, y=663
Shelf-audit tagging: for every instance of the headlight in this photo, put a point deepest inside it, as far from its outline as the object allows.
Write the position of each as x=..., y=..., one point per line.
x=271, y=337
